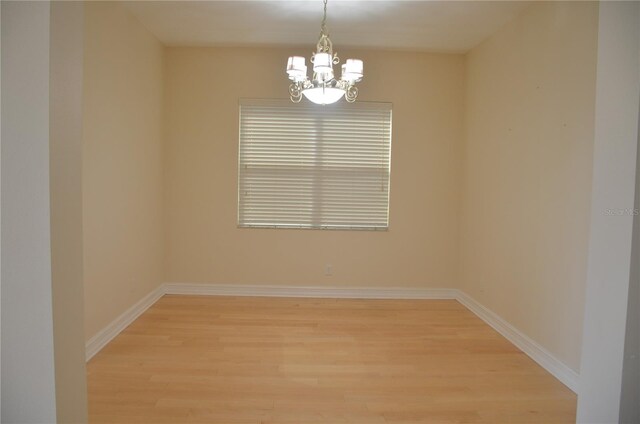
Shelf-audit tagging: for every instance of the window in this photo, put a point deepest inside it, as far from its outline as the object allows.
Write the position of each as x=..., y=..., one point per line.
x=310, y=166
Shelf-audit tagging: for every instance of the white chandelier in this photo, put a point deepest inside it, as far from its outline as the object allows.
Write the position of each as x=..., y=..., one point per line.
x=323, y=88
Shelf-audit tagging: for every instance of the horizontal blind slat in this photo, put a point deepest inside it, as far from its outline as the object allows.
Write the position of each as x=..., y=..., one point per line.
x=302, y=166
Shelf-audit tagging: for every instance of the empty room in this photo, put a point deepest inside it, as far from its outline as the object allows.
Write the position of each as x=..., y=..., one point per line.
x=320, y=211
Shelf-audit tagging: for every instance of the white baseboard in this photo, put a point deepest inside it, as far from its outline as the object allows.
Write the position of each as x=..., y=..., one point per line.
x=546, y=360
x=319, y=292
x=100, y=340
x=536, y=352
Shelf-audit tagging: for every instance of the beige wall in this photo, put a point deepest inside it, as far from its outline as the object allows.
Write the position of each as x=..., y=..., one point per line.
x=122, y=163
x=527, y=172
x=202, y=88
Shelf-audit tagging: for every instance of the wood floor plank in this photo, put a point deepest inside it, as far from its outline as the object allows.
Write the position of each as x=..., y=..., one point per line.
x=240, y=360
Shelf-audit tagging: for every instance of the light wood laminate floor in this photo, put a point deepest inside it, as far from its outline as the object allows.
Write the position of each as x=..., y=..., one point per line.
x=229, y=360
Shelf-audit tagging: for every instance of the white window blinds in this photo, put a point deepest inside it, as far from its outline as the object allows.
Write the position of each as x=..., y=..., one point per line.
x=310, y=166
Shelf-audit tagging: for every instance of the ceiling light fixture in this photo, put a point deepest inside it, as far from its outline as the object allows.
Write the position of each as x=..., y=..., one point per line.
x=323, y=88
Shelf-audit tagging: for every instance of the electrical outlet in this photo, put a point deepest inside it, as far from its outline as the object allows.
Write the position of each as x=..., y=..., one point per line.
x=328, y=269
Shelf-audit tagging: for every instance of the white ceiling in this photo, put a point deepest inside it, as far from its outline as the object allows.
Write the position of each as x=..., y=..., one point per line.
x=441, y=26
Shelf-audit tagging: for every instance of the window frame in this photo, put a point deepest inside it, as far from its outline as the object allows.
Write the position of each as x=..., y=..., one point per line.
x=360, y=167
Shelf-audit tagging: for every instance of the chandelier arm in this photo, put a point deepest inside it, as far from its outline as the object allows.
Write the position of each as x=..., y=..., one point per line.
x=351, y=93
x=295, y=92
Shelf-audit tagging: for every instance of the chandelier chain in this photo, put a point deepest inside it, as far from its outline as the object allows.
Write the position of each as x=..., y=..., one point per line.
x=323, y=26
